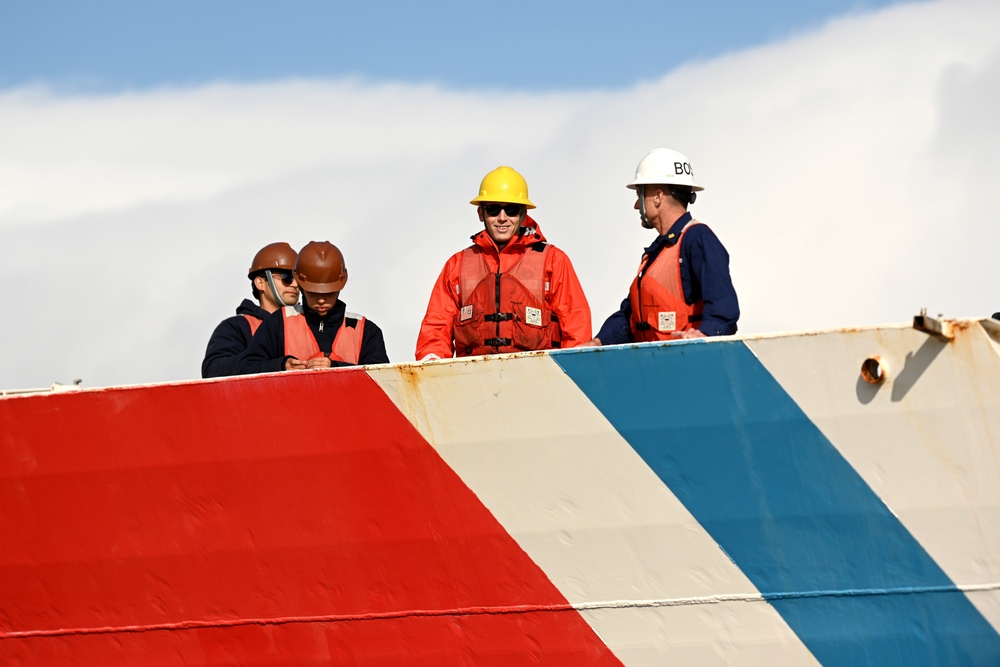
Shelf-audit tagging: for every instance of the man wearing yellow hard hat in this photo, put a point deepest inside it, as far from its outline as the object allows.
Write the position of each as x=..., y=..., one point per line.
x=510, y=291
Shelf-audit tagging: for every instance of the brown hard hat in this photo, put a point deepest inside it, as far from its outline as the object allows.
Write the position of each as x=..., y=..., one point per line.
x=320, y=267
x=273, y=256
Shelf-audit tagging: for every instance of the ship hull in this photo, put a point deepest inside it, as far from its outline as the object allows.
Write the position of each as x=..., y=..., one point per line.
x=741, y=501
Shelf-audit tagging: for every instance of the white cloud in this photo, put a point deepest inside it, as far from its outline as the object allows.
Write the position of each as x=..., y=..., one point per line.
x=849, y=173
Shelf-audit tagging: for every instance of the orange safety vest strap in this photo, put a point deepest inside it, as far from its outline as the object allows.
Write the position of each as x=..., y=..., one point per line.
x=472, y=270
x=657, y=296
x=347, y=343
x=299, y=340
x=254, y=323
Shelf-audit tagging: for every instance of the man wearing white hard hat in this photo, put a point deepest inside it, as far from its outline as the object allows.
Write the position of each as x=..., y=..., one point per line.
x=682, y=288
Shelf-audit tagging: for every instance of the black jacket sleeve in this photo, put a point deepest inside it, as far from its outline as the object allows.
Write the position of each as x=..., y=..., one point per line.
x=708, y=280
x=617, y=328
x=372, y=345
x=226, y=348
x=266, y=352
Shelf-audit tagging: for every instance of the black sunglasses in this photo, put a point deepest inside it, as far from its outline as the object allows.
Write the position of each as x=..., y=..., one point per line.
x=512, y=210
x=284, y=276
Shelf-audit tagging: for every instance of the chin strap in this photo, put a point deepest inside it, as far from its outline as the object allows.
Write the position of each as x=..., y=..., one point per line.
x=642, y=207
x=274, y=289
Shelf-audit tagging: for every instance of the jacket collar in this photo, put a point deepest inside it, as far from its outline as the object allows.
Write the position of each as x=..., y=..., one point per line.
x=335, y=315
x=248, y=307
x=672, y=236
x=530, y=233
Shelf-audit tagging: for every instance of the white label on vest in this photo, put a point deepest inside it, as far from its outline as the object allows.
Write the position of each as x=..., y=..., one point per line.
x=533, y=316
x=668, y=321
x=466, y=313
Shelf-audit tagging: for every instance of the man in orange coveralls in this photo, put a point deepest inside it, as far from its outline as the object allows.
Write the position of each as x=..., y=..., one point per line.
x=510, y=291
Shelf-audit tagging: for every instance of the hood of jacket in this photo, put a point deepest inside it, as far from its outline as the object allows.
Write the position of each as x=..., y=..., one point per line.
x=250, y=308
x=530, y=233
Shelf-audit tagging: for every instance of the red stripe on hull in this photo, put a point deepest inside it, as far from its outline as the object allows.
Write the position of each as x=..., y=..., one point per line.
x=182, y=525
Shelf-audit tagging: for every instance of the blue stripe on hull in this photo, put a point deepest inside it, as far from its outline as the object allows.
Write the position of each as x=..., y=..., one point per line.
x=783, y=503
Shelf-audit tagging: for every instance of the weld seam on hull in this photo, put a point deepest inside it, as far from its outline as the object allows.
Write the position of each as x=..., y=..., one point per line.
x=789, y=595
x=514, y=609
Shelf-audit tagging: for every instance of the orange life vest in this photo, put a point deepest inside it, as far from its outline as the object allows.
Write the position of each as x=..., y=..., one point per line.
x=657, y=296
x=504, y=312
x=301, y=343
x=254, y=323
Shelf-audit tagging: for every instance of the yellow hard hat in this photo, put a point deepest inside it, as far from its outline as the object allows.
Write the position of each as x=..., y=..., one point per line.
x=505, y=186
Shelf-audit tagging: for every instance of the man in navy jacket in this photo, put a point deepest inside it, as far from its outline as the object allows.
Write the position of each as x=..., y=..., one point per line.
x=682, y=288
x=273, y=285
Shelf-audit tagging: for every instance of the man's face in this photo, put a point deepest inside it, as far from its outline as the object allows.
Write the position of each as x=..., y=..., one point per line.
x=284, y=283
x=647, y=199
x=288, y=289
x=501, y=220
x=320, y=302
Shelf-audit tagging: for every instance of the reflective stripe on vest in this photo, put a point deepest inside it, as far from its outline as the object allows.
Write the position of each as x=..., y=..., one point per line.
x=254, y=323
x=657, y=296
x=504, y=312
x=301, y=343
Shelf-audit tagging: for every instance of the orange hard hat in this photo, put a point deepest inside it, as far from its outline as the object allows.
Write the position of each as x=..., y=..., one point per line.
x=320, y=267
x=273, y=256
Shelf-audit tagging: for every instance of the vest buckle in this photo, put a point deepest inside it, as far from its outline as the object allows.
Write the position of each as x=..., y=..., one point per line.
x=497, y=342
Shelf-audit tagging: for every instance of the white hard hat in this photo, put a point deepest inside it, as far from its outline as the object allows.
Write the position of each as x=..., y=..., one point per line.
x=663, y=166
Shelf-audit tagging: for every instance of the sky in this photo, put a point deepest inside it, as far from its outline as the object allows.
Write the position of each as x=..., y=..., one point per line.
x=147, y=150
x=521, y=45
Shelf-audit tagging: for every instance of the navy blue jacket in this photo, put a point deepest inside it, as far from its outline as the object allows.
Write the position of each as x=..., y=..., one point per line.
x=704, y=277
x=266, y=353
x=229, y=342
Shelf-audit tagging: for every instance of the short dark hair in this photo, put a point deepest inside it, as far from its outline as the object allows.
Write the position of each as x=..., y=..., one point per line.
x=682, y=193
x=253, y=285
